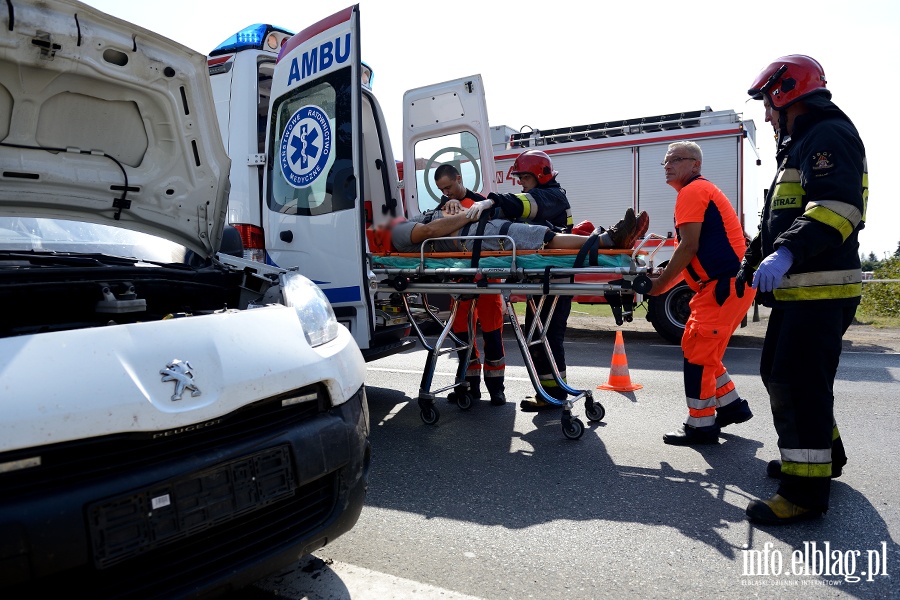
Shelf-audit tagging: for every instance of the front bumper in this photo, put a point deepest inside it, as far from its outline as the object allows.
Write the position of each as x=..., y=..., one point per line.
x=52, y=539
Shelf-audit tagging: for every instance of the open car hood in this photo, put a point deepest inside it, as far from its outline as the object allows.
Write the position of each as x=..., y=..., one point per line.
x=89, y=102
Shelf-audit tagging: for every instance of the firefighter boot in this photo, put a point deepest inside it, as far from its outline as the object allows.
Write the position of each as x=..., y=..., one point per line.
x=692, y=436
x=778, y=510
x=736, y=412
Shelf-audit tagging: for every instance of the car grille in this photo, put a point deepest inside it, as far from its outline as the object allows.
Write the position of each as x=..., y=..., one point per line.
x=107, y=457
x=172, y=570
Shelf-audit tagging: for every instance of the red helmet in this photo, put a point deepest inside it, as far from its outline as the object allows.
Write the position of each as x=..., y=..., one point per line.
x=789, y=79
x=535, y=162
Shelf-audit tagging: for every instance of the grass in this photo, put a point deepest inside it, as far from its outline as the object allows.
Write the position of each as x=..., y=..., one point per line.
x=877, y=321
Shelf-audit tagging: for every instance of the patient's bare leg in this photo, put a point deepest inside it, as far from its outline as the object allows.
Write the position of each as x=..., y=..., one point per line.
x=567, y=241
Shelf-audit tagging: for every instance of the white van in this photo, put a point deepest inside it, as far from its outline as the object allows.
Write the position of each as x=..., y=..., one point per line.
x=176, y=421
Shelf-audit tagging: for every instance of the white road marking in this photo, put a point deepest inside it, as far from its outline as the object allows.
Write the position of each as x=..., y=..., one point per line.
x=336, y=580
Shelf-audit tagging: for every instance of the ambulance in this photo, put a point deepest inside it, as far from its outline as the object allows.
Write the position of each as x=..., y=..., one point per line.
x=318, y=230
x=307, y=185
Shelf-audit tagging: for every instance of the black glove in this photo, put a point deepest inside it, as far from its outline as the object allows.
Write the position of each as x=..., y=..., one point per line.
x=744, y=276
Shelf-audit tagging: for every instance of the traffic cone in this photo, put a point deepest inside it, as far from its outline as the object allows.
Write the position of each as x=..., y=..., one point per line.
x=619, y=379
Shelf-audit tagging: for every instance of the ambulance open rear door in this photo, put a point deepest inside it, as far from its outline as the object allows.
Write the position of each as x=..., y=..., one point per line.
x=446, y=123
x=315, y=219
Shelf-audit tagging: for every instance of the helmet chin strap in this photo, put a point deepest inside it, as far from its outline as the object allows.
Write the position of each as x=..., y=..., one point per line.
x=782, y=127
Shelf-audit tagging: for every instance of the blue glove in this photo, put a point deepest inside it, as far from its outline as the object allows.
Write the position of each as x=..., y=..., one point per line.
x=772, y=269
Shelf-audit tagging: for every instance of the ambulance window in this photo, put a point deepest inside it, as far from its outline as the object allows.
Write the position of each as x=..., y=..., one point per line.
x=264, y=91
x=311, y=168
x=458, y=149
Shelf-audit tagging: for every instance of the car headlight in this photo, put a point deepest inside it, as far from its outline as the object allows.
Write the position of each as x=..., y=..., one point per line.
x=313, y=309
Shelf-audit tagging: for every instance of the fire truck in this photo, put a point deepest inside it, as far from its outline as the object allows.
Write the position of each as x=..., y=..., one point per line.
x=606, y=167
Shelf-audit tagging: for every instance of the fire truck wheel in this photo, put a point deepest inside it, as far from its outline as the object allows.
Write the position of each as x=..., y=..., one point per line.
x=669, y=313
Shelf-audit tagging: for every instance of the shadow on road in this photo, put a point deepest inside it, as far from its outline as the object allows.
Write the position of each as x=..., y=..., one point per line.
x=474, y=467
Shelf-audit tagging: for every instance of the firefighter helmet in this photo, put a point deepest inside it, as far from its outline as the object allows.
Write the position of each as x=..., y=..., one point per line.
x=535, y=162
x=789, y=79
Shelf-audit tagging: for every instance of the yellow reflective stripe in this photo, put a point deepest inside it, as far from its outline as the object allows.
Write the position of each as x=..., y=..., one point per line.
x=835, y=434
x=832, y=219
x=527, y=205
x=788, y=176
x=848, y=211
x=820, y=292
x=787, y=195
x=806, y=469
x=822, y=278
x=840, y=215
x=865, y=194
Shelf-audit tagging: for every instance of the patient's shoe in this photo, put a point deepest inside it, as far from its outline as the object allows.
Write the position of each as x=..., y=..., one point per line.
x=642, y=224
x=623, y=230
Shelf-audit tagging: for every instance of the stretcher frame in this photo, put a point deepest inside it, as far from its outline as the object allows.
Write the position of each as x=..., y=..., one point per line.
x=468, y=283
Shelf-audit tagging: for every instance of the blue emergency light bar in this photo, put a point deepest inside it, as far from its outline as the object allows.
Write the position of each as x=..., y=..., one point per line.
x=255, y=37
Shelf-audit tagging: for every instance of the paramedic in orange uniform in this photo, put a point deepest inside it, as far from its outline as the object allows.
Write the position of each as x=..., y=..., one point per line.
x=710, y=246
x=488, y=307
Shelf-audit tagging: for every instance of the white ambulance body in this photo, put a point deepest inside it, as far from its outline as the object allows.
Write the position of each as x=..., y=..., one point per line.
x=307, y=223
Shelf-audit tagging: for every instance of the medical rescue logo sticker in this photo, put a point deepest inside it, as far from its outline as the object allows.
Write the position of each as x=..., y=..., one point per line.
x=305, y=146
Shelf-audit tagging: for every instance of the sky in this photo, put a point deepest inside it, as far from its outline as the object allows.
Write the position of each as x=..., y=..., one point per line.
x=571, y=62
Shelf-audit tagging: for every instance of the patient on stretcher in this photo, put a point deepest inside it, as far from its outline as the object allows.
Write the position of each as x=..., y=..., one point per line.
x=408, y=235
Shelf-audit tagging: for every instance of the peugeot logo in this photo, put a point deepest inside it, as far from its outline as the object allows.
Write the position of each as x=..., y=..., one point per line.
x=181, y=372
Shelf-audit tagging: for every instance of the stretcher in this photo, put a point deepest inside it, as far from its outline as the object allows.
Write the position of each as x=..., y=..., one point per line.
x=539, y=275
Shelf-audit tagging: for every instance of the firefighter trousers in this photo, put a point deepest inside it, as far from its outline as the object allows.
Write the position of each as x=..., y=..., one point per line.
x=716, y=311
x=799, y=361
x=556, y=336
x=489, y=314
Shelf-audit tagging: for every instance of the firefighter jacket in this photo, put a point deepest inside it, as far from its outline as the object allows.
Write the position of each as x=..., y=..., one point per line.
x=545, y=205
x=816, y=208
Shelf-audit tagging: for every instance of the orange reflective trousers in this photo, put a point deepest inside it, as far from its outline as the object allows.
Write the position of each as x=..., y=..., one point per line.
x=489, y=313
x=716, y=312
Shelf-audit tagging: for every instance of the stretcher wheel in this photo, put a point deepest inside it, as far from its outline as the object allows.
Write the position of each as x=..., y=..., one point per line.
x=642, y=284
x=573, y=428
x=429, y=415
x=401, y=283
x=464, y=401
x=596, y=412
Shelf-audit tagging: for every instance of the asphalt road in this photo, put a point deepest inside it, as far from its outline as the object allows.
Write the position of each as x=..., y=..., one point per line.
x=495, y=503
